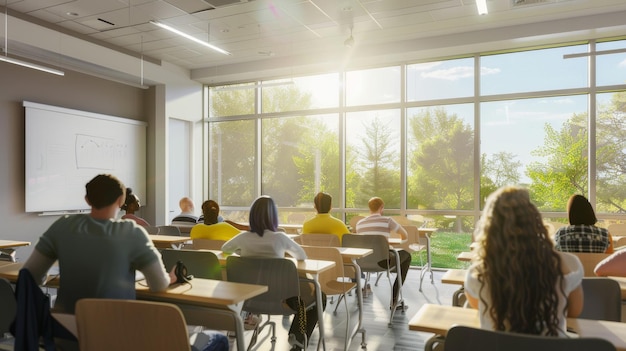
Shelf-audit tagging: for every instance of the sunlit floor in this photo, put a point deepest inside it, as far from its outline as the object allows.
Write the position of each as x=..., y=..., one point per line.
x=379, y=336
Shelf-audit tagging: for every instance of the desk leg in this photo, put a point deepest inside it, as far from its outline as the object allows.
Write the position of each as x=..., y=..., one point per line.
x=320, y=311
x=359, y=297
x=428, y=268
x=399, y=298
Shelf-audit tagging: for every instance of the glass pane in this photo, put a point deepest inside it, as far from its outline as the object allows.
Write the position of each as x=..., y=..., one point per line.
x=440, y=157
x=373, y=158
x=373, y=86
x=300, y=158
x=611, y=68
x=302, y=93
x=540, y=143
x=231, y=180
x=231, y=100
x=611, y=152
x=440, y=80
x=453, y=236
x=535, y=70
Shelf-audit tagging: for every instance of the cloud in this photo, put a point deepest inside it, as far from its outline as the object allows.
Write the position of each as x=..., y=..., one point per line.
x=423, y=66
x=454, y=73
x=622, y=64
x=485, y=71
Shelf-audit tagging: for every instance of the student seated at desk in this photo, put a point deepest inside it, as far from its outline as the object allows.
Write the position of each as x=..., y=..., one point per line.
x=186, y=215
x=323, y=222
x=582, y=235
x=130, y=206
x=518, y=281
x=264, y=240
x=211, y=228
x=97, y=254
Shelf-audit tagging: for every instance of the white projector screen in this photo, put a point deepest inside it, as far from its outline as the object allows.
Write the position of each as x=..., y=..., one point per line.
x=66, y=148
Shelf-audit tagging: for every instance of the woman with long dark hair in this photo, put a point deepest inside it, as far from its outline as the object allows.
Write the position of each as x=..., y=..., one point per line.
x=518, y=281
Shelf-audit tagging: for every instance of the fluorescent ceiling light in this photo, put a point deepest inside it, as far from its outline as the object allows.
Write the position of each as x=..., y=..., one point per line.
x=190, y=37
x=482, y=7
x=32, y=65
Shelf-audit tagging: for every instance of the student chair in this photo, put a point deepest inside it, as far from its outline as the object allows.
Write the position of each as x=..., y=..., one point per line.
x=169, y=230
x=319, y=239
x=129, y=325
x=207, y=244
x=460, y=338
x=199, y=263
x=279, y=275
x=602, y=299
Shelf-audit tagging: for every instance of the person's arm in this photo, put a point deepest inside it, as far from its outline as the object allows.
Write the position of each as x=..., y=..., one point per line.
x=471, y=300
x=575, y=302
x=156, y=276
x=398, y=229
x=231, y=245
x=614, y=265
x=242, y=227
x=610, y=249
x=38, y=264
x=293, y=249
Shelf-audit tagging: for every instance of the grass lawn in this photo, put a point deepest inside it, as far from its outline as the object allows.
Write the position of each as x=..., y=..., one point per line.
x=444, y=247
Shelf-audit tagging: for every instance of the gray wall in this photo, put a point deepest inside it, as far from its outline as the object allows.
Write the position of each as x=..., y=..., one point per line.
x=75, y=91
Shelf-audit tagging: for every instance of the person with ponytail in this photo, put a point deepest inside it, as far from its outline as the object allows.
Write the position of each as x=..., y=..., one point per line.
x=132, y=205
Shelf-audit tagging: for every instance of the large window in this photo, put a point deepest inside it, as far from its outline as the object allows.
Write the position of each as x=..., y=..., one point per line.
x=434, y=148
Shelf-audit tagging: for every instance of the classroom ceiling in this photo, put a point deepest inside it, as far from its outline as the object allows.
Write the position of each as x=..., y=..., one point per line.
x=261, y=30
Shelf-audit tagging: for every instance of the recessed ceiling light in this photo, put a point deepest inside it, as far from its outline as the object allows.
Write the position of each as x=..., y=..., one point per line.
x=347, y=9
x=73, y=14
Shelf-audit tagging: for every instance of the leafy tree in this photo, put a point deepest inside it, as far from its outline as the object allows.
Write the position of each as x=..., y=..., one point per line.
x=499, y=170
x=563, y=171
x=441, y=161
x=378, y=158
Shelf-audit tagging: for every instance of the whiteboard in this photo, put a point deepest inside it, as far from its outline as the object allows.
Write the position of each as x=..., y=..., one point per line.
x=65, y=149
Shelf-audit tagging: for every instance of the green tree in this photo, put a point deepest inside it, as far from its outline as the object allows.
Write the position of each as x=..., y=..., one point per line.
x=379, y=161
x=499, y=170
x=441, y=162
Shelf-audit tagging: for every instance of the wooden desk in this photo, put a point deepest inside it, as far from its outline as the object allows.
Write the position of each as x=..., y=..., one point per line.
x=7, y=244
x=291, y=228
x=457, y=277
x=207, y=302
x=465, y=256
x=169, y=241
x=439, y=319
x=203, y=302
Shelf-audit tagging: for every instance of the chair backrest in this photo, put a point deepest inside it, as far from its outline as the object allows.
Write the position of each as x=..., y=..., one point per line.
x=379, y=245
x=199, y=263
x=590, y=260
x=319, y=239
x=413, y=237
x=602, y=299
x=461, y=338
x=353, y=221
x=152, y=230
x=8, y=306
x=109, y=324
x=332, y=281
x=208, y=244
x=617, y=229
x=278, y=274
x=169, y=230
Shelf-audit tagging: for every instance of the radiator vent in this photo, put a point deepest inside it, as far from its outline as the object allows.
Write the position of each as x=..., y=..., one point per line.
x=519, y=3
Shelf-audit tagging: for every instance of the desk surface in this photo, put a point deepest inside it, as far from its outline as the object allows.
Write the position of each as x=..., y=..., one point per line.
x=438, y=319
x=168, y=239
x=465, y=256
x=202, y=292
x=354, y=252
x=6, y=244
x=454, y=276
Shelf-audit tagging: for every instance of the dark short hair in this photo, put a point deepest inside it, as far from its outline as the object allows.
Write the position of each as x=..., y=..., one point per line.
x=130, y=198
x=579, y=211
x=323, y=202
x=104, y=190
x=263, y=215
x=210, y=211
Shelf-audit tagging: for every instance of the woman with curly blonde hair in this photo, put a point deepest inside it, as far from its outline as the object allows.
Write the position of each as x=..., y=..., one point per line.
x=518, y=281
